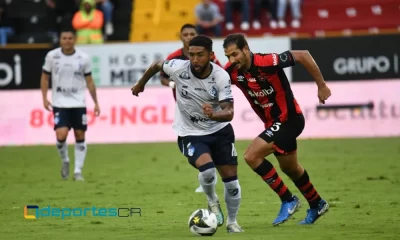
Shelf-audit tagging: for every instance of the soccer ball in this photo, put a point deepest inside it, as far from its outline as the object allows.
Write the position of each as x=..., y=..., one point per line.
x=203, y=222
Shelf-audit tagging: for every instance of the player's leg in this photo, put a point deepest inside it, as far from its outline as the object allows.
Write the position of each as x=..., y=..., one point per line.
x=224, y=156
x=287, y=158
x=79, y=123
x=254, y=156
x=301, y=179
x=61, y=127
x=196, y=149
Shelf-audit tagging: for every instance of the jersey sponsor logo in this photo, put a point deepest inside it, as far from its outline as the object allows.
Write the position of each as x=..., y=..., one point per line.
x=240, y=78
x=361, y=65
x=196, y=119
x=261, y=93
x=184, y=75
x=66, y=90
x=200, y=89
x=274, y=59
x=11, y=72
x=252, y=80
x=266, y=105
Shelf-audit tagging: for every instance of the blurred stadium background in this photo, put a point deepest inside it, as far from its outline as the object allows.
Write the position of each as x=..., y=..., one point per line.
x=351, y=145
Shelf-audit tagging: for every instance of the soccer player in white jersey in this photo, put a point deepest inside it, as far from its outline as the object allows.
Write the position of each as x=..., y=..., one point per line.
x=70, y=72
x=204, y=109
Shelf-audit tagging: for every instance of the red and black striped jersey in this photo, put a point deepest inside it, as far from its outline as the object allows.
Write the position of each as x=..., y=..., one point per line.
x=266, y=86
x=178, y=54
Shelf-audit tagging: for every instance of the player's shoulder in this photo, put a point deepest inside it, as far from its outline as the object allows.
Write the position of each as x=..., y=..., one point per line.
x=177, y=64
x=229, y=67
x=54, y=53
x=178, y=54
x=81, y=54
x=219, y=72
x=265, y=59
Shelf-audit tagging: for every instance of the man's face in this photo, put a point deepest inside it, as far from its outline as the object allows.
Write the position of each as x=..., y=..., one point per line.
x=67, y=40
x=187, y=34
x=238, y=57
x=87, y=7
x=199, y=58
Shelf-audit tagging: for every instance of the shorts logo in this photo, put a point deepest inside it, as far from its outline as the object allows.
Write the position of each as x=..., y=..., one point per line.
x=283, y=57
x=57, y=118
x=191, y=149
x=234, y=152
x=84, y=119
x=269, y=133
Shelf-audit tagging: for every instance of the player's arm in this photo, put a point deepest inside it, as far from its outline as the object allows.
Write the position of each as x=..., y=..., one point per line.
x=225, y=100
x=44, y=81
x=304, y=57
x=87, y=71
x=154, y=68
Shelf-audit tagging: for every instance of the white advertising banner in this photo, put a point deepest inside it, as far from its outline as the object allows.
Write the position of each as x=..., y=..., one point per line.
x=123, y=64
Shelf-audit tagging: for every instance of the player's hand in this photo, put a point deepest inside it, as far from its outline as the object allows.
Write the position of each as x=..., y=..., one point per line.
x=97, y=110
x=47, y=105
x=208, y=110
x=137, y=88
x=323, y=93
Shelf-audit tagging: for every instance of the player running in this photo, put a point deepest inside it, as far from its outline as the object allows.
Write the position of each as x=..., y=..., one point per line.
x=70, y=72
x=263, y=81
x=204, y=109
x=188, y=32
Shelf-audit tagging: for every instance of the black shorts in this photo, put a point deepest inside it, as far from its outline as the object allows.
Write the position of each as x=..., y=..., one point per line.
x=70, y=117
x=220, y=145
x=284, y=135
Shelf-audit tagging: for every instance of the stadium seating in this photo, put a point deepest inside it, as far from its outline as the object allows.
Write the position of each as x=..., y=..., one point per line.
x=160, y=20
x=329, y=17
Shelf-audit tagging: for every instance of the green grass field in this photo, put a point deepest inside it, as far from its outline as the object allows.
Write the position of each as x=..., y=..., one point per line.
x=359, y=177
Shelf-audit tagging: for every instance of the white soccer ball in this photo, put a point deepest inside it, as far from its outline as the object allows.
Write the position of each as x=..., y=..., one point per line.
x=203, y=222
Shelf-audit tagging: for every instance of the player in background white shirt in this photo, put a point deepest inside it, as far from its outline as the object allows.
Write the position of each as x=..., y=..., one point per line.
x=70, y=72
x=204, y=109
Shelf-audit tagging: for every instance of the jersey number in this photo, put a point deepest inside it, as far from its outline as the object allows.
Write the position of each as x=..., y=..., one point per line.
x=276, y=127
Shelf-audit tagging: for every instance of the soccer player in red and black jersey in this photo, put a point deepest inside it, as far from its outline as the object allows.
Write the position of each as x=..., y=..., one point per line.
x=263, y=81
x=188, y=31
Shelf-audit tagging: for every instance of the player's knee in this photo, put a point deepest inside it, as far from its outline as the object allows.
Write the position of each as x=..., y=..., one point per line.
x=79, y=135
x=207, y=173
x=61, y=136
x=250, y=157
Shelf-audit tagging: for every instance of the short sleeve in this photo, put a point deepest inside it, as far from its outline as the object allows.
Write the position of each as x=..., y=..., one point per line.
x=275, y=60
x=87, y=68
x=170, y=66
x=48, y=63
x=223, y=83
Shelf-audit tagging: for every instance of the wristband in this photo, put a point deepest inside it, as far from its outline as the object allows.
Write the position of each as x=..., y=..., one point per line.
x=171, y=84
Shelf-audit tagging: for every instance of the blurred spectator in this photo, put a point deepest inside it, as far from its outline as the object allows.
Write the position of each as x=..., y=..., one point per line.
x=243, y=6
x=208, y=18
x=61, y=13
x=107, y=8
x=296, y=13
x=271, y=5
x=5, y=29
x=88, y=23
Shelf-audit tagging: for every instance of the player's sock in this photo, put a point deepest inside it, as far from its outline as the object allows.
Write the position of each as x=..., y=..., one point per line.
x=80, y=155
x=268, y=173
x=308, y=190
x=233, y=195
x=62, y=148
x=207, y=178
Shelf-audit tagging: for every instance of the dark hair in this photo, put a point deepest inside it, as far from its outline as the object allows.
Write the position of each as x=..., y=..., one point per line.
x=202, y=41
x=237, y=39
x=68, y=30
x=187, y=25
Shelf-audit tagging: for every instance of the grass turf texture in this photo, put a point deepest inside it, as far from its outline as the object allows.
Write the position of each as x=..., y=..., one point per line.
x=359, y=177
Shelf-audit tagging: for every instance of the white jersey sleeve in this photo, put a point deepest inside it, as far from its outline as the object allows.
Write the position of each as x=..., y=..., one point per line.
x=223, y=84
x=87, y=68
x=171, y=66
x=47, y=66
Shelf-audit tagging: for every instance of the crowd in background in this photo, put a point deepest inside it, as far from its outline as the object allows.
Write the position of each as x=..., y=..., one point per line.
x=93, y=19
